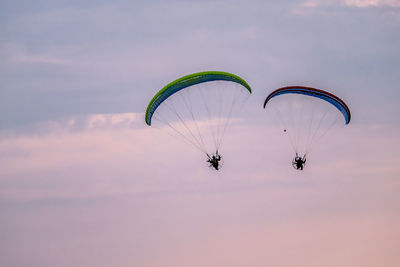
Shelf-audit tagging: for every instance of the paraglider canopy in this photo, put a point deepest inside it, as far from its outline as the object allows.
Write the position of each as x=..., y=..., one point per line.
x=303, y=90
x=189, y=80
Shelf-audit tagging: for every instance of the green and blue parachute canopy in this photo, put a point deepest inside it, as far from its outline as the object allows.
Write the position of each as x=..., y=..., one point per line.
x=187, y=81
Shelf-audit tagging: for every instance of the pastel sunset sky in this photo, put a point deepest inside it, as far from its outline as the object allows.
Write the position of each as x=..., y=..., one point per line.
x=85, y=182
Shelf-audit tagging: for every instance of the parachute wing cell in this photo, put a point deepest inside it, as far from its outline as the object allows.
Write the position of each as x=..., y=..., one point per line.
x=186, y=81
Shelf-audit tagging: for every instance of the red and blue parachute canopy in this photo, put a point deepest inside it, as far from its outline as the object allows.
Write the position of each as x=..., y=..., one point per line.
x=302, y=90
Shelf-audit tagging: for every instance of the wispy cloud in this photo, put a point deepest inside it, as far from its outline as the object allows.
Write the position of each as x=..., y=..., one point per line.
x=41, y=60
x=121, y=145
x=310, y=6
x=15, y=53
x=371, y=3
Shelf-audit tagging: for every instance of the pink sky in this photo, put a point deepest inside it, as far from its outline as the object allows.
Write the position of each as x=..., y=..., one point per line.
x=115, y=193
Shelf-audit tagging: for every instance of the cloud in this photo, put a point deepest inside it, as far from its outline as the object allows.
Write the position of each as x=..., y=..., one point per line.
x=309, y=6
x=104, y=154
x=41, y=59
x=372, y=3
x=13, y=53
